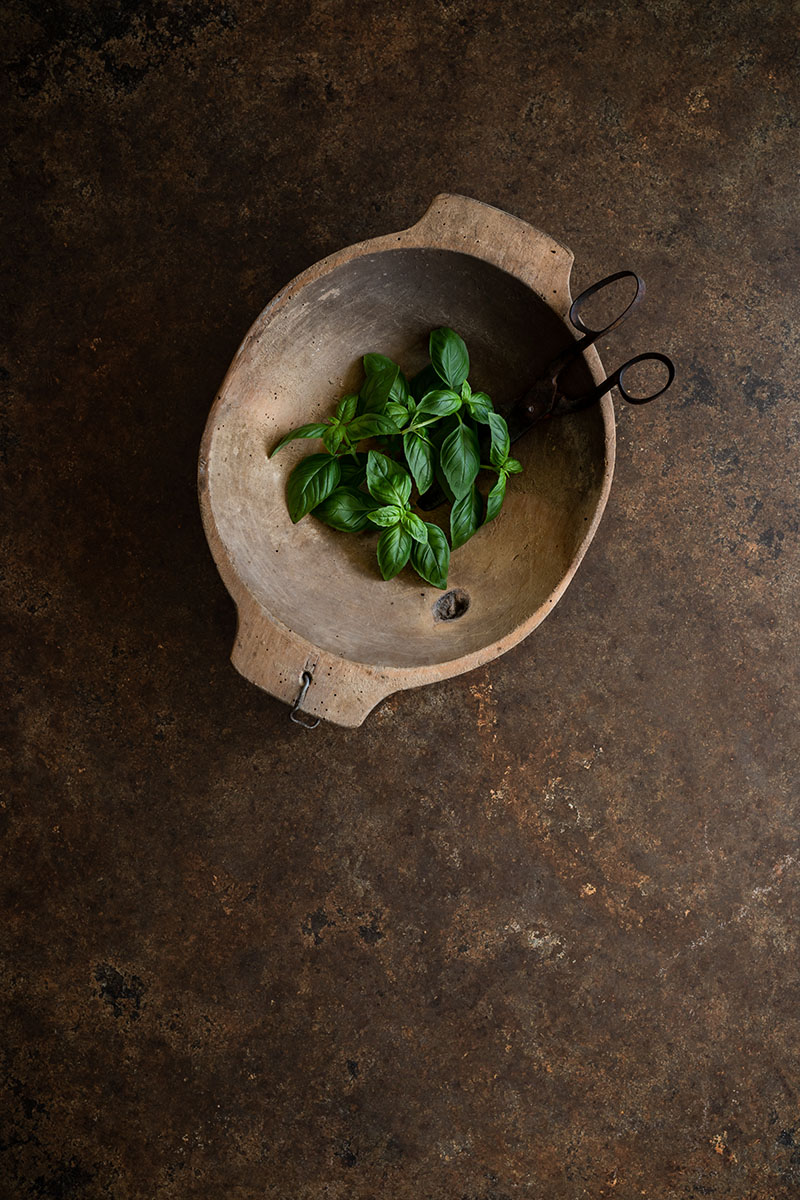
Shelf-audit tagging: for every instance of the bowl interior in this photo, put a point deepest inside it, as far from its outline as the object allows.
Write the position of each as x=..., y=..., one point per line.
x=304, y=353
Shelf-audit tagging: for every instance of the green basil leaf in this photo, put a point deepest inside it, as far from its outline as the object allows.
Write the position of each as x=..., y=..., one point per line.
x=449, y=356
x=439, y=404
x=377, y=388
x=394, y=548
x=496, y=497
x=370, y=425
x=500, y=440
x=460, y=460
x=389, y=515
x=387, y=480
x=466, y=390
x=396, y=412
x=333, y=437
x=346, y=509
x=465, y=517
x=512, y=466
x=419, y=456
x=431, y=560
x=399, y=392
x=479, y=407
x=438, y=433
x=346, y=408
x=415, y=526
x=311, y=482
x=377, y=362
x=305, y=431
x=354, y=470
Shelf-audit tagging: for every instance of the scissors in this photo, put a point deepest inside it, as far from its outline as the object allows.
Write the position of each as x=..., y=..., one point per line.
x=547, y=398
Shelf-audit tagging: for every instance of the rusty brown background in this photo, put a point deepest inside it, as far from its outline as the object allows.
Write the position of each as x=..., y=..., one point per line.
x=531, y=933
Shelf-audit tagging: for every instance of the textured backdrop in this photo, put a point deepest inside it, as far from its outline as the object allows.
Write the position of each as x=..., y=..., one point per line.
x=530, y=933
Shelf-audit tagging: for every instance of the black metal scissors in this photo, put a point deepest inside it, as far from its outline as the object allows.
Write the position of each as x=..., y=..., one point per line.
x=547, y=399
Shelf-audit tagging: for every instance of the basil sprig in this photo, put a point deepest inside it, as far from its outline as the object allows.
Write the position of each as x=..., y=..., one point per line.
x=500, y=462
x=429, y=430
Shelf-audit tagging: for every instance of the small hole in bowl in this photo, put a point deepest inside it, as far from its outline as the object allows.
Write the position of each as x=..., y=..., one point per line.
x=451, y=605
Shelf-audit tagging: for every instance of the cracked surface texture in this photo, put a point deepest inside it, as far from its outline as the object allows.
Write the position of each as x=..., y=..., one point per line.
x=530, y=933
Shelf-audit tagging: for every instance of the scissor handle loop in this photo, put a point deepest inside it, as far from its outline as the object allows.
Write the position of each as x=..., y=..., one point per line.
x=618, y=376
x=580, y=301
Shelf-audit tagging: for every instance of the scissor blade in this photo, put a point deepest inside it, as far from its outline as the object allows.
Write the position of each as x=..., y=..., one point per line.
x=519, y=423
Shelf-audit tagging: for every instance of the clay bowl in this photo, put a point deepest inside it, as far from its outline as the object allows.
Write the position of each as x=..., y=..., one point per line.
x=310, y=599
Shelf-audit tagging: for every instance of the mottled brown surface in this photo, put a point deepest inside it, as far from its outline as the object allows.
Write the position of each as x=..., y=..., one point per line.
x=529, y=933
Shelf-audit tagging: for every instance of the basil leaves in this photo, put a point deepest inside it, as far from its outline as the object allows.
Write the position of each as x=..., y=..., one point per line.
x=449, y=357
x=460, y=459
x=311, y=482
x=432, y=429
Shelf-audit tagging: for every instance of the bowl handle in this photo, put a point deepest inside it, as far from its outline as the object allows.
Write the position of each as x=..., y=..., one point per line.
x=276, y=660
x=460, y=223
